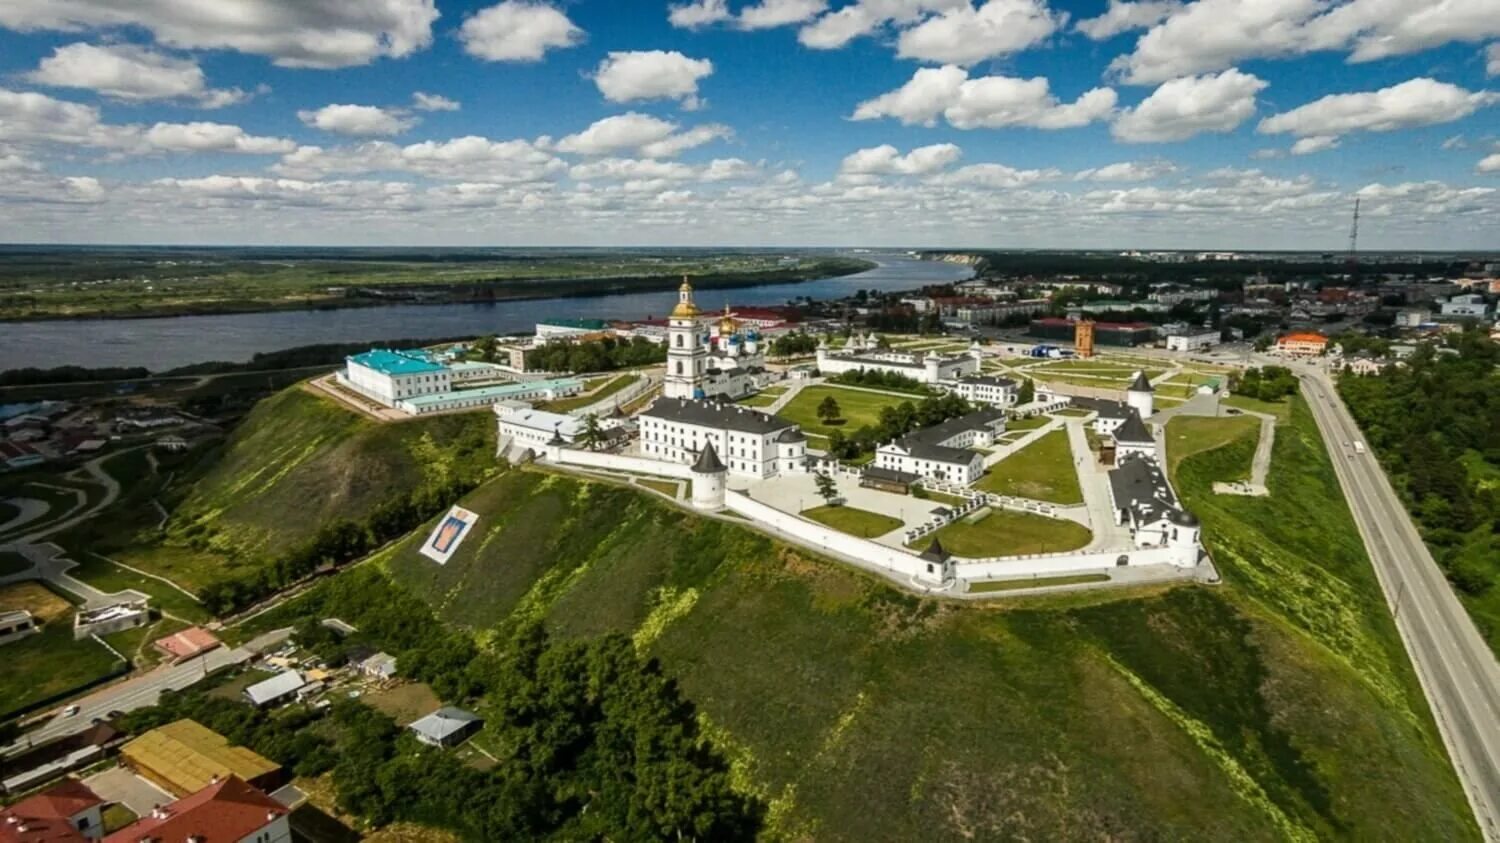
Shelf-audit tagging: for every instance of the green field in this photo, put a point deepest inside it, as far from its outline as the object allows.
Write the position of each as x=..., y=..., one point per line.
x=1004, y=532
x=1042, y=471
x=1184, y=713
x=857, y=407
x=765, y=398
x=298, y=463
x=855, y=522
x=48, y=663
x=568, y=405
x=1188, y=435
x=1028, y=423
x=1282, y=410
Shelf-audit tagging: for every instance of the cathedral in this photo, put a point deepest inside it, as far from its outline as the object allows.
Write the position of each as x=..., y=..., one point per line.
x=710, y=357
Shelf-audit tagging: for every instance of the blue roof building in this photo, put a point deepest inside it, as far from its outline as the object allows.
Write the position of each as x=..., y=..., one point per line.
x=389, y=362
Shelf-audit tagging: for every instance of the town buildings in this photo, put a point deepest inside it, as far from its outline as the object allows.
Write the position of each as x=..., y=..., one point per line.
x=184, y=757
x=1143, y=502
x=1192, y=340
x=986, y=389
x=1302, y=344
x=415, y=382
x=865, y=355
x=748, y=441
x=1126, y=334
x=448, y=726
x=1467, y=306
x=228, y=810
x=278, y=689
x=67, y=812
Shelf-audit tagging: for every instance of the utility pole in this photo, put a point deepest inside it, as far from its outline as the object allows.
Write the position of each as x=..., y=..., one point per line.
x=1353, y=259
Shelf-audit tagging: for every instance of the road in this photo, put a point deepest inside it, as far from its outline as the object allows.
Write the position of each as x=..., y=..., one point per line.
x=1457, y=669
x=144, y=690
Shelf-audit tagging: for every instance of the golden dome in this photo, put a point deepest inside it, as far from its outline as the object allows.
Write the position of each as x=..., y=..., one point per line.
x=686, y=287
x=685, y=308
x=727, y=325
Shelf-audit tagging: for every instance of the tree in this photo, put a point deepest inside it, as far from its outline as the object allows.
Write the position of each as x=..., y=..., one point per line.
x=828, y=490
x=1262, y=343
x=592, y=435
x=1027, y=392
x=828, y=410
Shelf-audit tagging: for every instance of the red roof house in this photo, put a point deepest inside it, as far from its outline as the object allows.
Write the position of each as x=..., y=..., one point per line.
x=180, y=646
x=226, y=811
x=67, y=812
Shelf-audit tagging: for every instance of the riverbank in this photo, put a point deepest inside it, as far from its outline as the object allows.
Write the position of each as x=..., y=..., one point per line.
x=378, y=293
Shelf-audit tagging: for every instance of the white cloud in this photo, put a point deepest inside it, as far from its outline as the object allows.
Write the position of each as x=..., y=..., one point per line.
x=1415, y=102
x=966, y=35
x=1266, y=154
x=651, y=137
x=358, y=120
x=644, y=171
x=886, y=160
x=1185, y=107
x=1127, y=171
x=1492, y=59
x=650, y=75
x=768, y=14
x=865, y=17
x=517, y=30
x=1124, y=15
x=1489, y=164
x=1456, y=142
x=995, y=177
x=1214, y=34
x=470, y=157
x=293, y=33
x=1315, y=143
x=130, y=73
x=984, y=102
x=697, y=14
x=213, y=137
x=423, y=101
x=14, y=162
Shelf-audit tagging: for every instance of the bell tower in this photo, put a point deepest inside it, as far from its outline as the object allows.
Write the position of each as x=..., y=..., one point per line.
x=687, y=358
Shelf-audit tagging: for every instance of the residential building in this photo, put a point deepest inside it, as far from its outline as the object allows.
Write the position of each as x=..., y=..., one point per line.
x=1362, y=364
x=184, y=757
x=1413, y=318
x=448, y=726
x=986, y=389
x=944, y=451
x=531, y=428
x=379, y=666
x=748, y=441
x=1171, y=296
x=278, y=689
x=228, y=810
x=865, y=355
x=1302, y=344
x=67, y=812
x=190, y=642
x=1193, y=340
x=1468, y=306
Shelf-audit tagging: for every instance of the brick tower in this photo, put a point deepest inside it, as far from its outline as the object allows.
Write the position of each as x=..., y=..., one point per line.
x=1083, y=337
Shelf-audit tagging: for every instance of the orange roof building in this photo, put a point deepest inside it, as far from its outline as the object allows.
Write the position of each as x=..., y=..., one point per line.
x=1302, y=344
x=67, y=812
x=181, y=646
x=227, y=811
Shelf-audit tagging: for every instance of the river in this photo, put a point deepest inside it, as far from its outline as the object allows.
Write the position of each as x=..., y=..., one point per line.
x=164, y=343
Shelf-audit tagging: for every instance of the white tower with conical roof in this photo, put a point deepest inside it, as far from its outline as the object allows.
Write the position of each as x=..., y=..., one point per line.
x=1141, y=396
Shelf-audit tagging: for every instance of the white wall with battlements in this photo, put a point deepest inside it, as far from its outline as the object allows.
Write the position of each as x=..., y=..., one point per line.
x=617, y=462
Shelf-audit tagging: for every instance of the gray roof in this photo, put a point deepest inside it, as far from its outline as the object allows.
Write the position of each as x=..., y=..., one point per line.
x=276, y=687
x=1133, y=431
x=890, y=474
x=444, y=723
x=717, y=415
x=935, y=552
x=708, y=461
x=936, y=453
x=1105, y=408
x=943, y=431
x=792, y=434
x=1138, y=486
x=1140, y=384
x=991, y=380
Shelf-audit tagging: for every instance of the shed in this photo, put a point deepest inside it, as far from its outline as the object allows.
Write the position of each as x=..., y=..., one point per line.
x=379, y=666
x=274, y=690
x=448, y=726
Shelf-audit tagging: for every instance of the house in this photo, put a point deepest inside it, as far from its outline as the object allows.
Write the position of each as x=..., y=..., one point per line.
x=748, y=441
x=1192, y=340
x=379, y=666
x=944, y=451
x=996, y=392
x=1363, y=365
x=1468, y=306
x=67, y=812
x=228, y=810
x=184, y=756
x=448, y=726
x=277, y=689
x=1302, y=344
x=190, y=642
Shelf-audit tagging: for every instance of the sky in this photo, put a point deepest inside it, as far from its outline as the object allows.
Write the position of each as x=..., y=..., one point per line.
x=1211, y=124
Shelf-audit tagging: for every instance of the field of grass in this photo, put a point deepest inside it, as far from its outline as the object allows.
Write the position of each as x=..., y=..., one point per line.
x=855, y=522
x=1282, y=410
x=1042, y=471
x=1028, y=423
x=568, y=405
x=1039, y=582
x=1003, y=532
x=405, y=702
x=858, y=408
x=765, y=398
x=297, y=463
x=50, y=662
x=1188, y=435
x=1186, y=713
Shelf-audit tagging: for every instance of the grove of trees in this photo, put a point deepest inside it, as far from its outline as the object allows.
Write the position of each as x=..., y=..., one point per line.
x=604, y=355
x=1268, y=383
x=894, y=422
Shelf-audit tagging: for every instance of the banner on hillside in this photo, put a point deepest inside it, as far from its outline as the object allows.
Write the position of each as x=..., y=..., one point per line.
x=449, y=534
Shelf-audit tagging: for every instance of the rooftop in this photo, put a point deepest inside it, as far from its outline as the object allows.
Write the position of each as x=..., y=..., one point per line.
x=188, y=642
x=1138, y=486
x=389, y=362
x=497, y=393
x=714, y=414
x=189, y=755
x=444, y=723
x=226, y=811
x=1133, y=431
x=45, y=816
x=276, y=687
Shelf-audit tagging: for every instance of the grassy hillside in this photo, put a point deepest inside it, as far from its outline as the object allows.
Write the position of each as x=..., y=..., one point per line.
x=298, y=463
x=1278, y=706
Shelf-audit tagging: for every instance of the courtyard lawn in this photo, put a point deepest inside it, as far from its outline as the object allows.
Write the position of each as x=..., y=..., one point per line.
x=1039, y=582
x=1003, y=532
x=1028, y=423
x=855, y=522
x=1073, y=413
x=858, y=408
x=764, y=398
x=1282, y=410
x=566, y=405
x=1189, y=435
x=1042, y=471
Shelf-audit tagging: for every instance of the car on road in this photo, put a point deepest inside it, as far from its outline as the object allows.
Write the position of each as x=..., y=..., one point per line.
x=70, y=711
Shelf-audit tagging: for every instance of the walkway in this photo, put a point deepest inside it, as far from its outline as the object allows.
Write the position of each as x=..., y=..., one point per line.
x=29, y=510
x=630, y=392
x=1093, y=479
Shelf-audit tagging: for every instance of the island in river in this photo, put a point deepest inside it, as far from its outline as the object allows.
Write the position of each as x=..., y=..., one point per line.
x=75, y=282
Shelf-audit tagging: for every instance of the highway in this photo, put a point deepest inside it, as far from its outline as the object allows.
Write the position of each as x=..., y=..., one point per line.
x=1455, y=666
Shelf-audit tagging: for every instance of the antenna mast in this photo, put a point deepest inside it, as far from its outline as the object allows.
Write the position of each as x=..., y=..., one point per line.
x=1354, y=237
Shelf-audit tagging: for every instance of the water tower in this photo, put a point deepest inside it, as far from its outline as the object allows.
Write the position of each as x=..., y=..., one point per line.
x=1083, y=337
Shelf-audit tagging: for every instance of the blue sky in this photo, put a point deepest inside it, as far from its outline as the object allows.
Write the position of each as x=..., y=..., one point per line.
x=1000, y=123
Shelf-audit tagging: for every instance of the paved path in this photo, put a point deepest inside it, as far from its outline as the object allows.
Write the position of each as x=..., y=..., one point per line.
x=49, y=563
x=1093, y=479
x=793, y=388
x=95, y=469
x=1456, y=667
x=628, y=393
x=144, y=690
x=30, y=509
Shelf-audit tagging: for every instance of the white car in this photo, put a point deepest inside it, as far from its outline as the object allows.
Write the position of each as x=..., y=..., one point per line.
x=70, y=711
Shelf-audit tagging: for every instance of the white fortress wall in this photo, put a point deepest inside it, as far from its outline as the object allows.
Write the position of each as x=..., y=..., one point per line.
x=639, y=465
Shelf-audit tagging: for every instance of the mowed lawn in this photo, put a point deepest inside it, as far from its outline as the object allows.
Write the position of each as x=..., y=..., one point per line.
x=855, y=522
x=857, y=408
x=1188, y=435
x=50, y=662
x=1003, y=532
x=1042, y=470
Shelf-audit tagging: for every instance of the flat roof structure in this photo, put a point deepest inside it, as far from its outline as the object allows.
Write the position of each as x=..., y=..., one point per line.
x=389, y=362
x=499, y=392
x=270, y=690
x=185, y=756
x=443, y=725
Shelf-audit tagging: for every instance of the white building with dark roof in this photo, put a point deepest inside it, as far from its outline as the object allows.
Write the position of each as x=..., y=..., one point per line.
x=919, y=366
x=748, y=442
x=987, y=389
x=944, y=451
x=1143, y=501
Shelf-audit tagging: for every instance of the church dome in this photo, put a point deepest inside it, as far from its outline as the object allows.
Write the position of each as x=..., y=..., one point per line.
x=727, y=325
x=685, y=308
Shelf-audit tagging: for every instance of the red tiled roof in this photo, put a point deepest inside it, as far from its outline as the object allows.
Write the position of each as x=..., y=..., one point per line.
x=224, y=812
x=188, y=642
x=45, y=817
x=1305, y=336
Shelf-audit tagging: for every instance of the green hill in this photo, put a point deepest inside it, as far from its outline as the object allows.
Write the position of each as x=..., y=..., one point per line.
x=296, y=465
x=1276, y=706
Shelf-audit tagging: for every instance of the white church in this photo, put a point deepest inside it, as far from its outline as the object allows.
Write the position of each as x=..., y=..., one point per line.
x=710, y=358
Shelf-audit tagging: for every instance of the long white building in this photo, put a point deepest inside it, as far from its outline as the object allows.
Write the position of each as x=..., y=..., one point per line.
x=919, y=366
x=748, y=442
x=944, y=451
x=996, y=392
x=390, y=376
